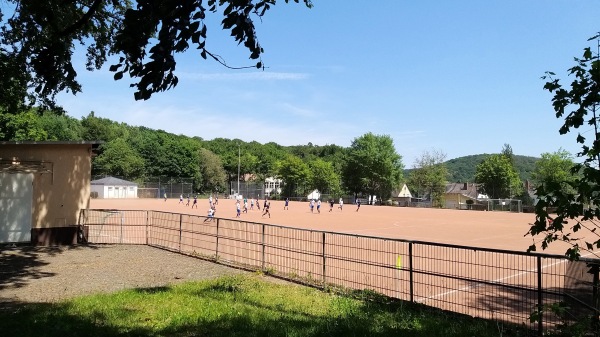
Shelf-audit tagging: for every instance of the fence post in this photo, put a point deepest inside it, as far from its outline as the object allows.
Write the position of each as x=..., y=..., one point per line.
x=596, y=296
x=540, y=299
x=263, y=247
x=121, y=236
x=217, y=243
x=323, y=250
x=147, y=224
x=410, y=272
x=180, y=230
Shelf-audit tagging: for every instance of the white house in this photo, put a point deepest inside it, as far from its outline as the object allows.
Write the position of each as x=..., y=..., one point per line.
x=111, y=187
x=404, y=192
x=272, y=185
x=314, y=195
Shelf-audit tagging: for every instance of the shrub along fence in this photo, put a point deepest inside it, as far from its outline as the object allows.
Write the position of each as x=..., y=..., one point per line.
x=500, y=285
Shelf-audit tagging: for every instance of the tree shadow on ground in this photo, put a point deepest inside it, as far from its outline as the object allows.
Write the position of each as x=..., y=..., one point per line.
x=60, y=319
x=516, y=305
x=19, y=265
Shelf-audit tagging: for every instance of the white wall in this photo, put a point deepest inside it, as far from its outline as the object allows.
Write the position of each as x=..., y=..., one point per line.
x=115, y=192
x=16, y=198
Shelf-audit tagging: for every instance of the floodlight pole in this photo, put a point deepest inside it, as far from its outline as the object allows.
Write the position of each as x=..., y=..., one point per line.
x=238, y=179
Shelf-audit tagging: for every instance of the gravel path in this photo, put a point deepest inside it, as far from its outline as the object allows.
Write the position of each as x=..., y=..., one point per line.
x=49, y=274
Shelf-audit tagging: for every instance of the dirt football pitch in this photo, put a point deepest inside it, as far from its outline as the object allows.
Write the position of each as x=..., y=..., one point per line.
x=493, y=229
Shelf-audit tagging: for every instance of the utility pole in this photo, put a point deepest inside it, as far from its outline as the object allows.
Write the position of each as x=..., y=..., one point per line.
x=238, y=178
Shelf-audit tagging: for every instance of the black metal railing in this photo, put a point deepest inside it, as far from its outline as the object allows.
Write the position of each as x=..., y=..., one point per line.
x=501, y=285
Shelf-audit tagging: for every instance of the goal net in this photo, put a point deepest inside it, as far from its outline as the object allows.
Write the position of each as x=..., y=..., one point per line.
x=146, y=192
x=505, y=205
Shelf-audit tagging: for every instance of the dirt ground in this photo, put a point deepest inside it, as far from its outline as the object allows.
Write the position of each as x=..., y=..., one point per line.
x=499, y=230
x=49, y=274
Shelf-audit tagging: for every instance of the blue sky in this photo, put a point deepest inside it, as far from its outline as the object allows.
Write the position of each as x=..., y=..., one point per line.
x=461, y=77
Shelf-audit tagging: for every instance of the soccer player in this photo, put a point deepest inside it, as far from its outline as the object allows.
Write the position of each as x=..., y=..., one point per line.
x=312, y=205
x=331, y=202
x=252, y=204
x=181, y=198
x=358, y=204
x=211, y=214
x=319, y=206
x=237, y=206
x=266, y=209
x=341, y=205
x=287, y=201
x=195, y=202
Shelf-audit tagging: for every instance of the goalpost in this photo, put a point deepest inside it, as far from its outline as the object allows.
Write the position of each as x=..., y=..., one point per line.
x=505, y=205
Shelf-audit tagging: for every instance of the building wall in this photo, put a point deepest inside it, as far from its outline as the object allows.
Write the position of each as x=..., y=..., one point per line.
x=58, y=196
x=456, y=201
x=120, y=191
x=98, y=189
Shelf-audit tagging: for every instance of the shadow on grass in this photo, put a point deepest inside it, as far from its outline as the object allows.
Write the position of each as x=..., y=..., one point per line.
x=53, y=320
x=247, y=317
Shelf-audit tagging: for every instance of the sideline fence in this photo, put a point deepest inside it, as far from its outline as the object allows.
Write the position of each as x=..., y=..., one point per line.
x=500, y=285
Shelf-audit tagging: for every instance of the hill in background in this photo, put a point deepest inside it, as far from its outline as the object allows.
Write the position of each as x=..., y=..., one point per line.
x=462, y=169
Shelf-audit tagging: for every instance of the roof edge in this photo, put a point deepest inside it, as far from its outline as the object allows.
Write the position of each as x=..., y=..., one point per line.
x=50, y=142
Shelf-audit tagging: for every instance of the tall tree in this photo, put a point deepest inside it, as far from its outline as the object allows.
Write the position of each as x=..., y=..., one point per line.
x=554, y=169
x=498, y=177
x=577, y=208
x=118, y=158
x=323, y=176
x=24, y=126
x=213, y=175
x=38, y=39
x=61, y=127
x=295, y=175
x=429, y=175
x=507, y=151
x=373, y=166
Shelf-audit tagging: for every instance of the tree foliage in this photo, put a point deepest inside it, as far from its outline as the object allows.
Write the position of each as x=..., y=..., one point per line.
x=38, y=40
x=295, y=175
x=373, y=166
x=576, y=208
x=554, y=168
x=323, y=176
x=429, y=175
x=498, y=177
x=212, y=172
x=462, y=169
x=23, y=126
x=118, y=158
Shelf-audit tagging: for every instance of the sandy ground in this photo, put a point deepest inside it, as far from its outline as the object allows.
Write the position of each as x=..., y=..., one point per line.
x=499, y=230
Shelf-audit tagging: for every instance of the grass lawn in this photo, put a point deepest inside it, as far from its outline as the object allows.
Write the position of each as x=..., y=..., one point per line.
x=239, y=306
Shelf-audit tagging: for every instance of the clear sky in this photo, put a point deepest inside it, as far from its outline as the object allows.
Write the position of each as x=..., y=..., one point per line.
x=462, y=77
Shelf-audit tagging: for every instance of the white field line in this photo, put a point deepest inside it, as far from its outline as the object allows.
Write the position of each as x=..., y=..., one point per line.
x=423, y=300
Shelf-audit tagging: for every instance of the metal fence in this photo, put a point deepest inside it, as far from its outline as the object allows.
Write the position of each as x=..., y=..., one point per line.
x=500, y=285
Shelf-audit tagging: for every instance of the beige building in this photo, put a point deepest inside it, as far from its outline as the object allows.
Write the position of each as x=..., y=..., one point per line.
x=458, y=194
x=43, y=187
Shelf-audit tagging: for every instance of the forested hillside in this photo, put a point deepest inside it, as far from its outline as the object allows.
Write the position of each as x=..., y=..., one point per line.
x=462, y=169
x=137, y=152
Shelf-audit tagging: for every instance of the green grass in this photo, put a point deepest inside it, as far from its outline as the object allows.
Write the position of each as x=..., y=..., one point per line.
x=238, y=306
